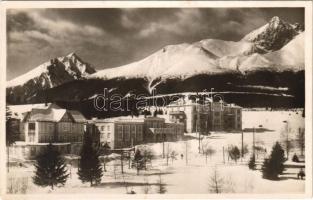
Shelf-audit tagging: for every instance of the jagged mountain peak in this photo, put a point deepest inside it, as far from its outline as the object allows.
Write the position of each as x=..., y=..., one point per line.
x=275, y=21
x=55, y=72
x=272, y=36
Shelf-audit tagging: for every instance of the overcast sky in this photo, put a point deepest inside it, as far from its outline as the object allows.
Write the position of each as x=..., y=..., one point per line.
x=113, y=37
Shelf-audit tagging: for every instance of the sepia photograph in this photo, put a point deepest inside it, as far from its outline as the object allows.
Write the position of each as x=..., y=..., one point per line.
x=150, y=100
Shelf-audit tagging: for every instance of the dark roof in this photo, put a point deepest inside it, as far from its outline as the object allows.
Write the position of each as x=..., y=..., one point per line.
x=77, y=116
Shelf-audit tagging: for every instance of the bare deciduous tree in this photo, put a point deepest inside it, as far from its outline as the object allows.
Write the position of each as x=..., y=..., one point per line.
x=208, y=152
x=216, y=182
x=173, y=156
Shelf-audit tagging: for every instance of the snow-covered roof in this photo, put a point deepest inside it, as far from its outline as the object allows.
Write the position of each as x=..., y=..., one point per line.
x=51, y=113
x=18, y=110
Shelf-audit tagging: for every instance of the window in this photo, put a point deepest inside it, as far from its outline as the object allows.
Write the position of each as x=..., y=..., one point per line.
x=139, y=128
x=139, y=136
x=127, y=136
x=133, y=129
x=127, y=128
x=102, y=128
x=65, y=127
x=119, y=132
x=31, y=126
x=103, y=136
x=108, y=127
x=50, y=127
x=109, y=135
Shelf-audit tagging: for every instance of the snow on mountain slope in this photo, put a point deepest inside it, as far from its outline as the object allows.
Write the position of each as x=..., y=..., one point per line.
x=274, y=46
x=223, y=48
x=20, y=80
x=291, y=55
x=253, y=52
x=182, y=60
x=49, y=73
x=253, y=62
x=250, y=37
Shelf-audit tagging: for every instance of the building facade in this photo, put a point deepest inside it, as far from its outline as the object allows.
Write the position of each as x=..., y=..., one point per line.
x=52, y=124
x=206, y=117
x=122, y=132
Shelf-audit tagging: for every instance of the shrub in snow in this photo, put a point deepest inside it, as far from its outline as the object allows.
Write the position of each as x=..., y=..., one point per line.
x=208, y=151
x=148, y=155
x=295, y=158
x=90, y=169
x=274, y=165
x=50, y=168
x=138, y=161
x=234, y=153
x=251, y=163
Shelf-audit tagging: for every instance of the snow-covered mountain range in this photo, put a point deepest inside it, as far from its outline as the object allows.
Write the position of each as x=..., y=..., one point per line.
x=55, y=72
x=48, y=75
x=277, y=45
x=273, y=50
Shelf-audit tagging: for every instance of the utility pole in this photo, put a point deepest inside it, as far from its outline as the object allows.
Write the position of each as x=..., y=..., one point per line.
x=223, y=155
x=122, y=170
x=186, y=153
x=287, y=139
x=242, y=144
x=168, y=152
x=253, y=141
x=129, y=154
x=199, y=127
x=163, y=146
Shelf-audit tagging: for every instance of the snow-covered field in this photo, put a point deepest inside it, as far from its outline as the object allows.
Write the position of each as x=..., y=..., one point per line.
x=192, y=175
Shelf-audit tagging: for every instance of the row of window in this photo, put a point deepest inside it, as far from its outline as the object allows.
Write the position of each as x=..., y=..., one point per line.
x=106, y=136
x=69, y=138
x=123, y=132
x=49, y=127
x=126, y=137
x=105, y=128
x=127, y=128
x=67, y=126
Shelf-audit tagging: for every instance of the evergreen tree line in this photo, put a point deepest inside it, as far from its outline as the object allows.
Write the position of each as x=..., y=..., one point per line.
x=51, y=170
x=273, y=166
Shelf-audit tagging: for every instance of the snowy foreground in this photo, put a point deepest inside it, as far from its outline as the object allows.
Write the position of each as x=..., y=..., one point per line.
x=192, y=175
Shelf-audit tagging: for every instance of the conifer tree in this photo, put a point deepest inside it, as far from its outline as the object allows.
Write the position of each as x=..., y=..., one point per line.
x=234, y=153
x=274, y=165
x=89, y=167
x=50, y=168
x=251, y=163
x=138, y=159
